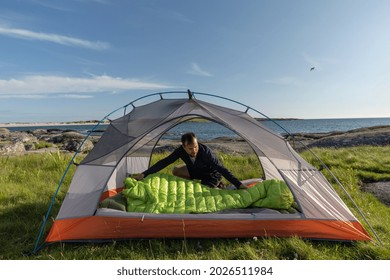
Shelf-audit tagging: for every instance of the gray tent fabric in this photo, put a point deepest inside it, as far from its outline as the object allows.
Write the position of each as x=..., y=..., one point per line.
x=128, y=143
x=126, y=148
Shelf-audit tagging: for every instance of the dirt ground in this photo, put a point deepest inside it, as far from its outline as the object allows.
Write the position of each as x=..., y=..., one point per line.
x=380, y=189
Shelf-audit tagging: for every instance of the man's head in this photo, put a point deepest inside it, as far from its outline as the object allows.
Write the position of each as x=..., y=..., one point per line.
x=190, y=144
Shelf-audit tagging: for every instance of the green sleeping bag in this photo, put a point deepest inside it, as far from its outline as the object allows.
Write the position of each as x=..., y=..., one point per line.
x=163, y=193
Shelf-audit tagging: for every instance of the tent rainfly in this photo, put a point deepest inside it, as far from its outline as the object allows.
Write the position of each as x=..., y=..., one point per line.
x=126, y=148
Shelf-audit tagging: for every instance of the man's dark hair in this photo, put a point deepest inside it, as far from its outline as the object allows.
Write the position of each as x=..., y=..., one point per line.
x=188, y=138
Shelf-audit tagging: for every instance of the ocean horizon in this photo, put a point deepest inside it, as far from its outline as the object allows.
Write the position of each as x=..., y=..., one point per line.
x=210, y=130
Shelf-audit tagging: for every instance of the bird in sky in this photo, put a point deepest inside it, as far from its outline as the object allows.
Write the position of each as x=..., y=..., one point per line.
x=311, y=69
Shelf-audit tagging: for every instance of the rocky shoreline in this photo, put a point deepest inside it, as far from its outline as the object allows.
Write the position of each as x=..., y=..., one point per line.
x=373, y=136
x=42, y=140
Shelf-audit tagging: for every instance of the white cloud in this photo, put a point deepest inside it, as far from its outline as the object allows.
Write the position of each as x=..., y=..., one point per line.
x=39, y=86
x=196, y=70
x=54, y=38
x=76, y=96
x=23, y=96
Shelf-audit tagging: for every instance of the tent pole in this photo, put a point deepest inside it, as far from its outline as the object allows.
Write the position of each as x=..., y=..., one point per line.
x=38, y=246
x=190, y=95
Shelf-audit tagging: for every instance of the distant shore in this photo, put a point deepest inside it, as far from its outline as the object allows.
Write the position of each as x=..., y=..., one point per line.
x=94, y=122
x=22, y=124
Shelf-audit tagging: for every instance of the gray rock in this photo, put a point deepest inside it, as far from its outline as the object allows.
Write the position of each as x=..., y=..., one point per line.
x=56, y=138
x=12, y=148
x=63, y=137
x=23, y=137
x=71, y=141
x=29, y=146
x=45, y=137
x=20, y=142
x=379, y=189
x=73, y=135
x=16, y=142
x=94, y=139
x=39, y=132
x=4, y=130
x=72, y=145
x=376, y=136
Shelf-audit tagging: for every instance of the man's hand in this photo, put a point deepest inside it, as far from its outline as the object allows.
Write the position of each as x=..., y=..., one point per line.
x=138, y=177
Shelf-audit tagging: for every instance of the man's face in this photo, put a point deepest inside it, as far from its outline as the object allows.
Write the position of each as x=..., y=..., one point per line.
x=191, y=148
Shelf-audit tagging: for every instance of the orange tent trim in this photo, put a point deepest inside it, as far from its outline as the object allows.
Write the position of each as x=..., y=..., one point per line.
x=110, y=228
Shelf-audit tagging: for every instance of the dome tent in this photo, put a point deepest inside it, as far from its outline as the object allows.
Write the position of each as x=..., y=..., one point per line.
x=126, y=148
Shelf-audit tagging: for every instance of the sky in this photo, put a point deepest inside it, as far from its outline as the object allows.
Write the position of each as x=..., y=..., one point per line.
x=81, y=59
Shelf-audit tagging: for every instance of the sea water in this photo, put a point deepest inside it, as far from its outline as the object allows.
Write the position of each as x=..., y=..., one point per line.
x=210, y=130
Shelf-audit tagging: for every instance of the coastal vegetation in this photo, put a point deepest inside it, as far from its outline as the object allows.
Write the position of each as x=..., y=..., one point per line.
x=28, y=183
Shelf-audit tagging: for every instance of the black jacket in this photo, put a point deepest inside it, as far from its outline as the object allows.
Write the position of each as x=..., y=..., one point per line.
x=206, y=167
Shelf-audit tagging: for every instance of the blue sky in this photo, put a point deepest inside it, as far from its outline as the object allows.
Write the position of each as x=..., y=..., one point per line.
x=81, y=59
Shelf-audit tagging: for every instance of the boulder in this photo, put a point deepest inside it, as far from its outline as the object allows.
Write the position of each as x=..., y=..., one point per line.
x=56, y=138
x=16, y=142
x=71, y=141
x=379, y=189
x=375, y=136
x=12, y=148
x=72, y=145
x=39, y=132
x=4, y=130
x=29, y=147
x=54, y=131
x=22, y=137
x=61, y=138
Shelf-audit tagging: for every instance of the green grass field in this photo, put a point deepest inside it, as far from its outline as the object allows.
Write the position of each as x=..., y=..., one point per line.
x=27, y=184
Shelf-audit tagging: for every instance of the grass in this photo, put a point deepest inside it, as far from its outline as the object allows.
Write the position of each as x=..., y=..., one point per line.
x=43, y=144
x=27, y=184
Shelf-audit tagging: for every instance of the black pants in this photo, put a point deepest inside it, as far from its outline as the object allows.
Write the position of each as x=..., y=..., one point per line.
x=214, y=180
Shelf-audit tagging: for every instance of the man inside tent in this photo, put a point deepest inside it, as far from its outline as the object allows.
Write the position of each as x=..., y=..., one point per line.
x=200, y=164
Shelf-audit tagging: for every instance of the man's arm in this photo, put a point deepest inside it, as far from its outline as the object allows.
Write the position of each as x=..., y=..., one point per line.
x=161, y=164
x=215, y=162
